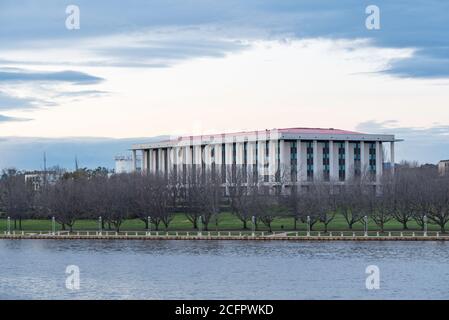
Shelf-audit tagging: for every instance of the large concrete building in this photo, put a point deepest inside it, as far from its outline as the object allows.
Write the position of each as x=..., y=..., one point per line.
x=298, y=155
x=443, y=167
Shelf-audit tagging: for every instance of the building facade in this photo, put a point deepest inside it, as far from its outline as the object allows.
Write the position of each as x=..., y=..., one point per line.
x=443, y=167
x=126, y=164
x=297, y=155
x=37, y=179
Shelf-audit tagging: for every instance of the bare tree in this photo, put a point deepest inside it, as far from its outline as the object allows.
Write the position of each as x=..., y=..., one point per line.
x=350, y=202
x=66, y=201
x=16, y=196
x=439, y=211
x=403, y=190
x=239, y=180
x=380, y=202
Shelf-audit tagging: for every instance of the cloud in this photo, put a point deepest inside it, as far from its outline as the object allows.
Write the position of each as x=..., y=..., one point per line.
x=428, y=144
x=8, y=102
x=74, y=77
x=404, y=24
x=82, y=93
x=11, y=119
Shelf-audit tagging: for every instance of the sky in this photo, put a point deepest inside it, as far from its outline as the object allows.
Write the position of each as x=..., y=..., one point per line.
x=139, y=69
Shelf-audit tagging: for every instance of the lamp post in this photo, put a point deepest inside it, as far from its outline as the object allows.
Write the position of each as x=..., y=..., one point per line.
x=149, y=223
x=365, y=218
x=53, y=225
x=100, y=225
x=8, y=224
x=308, y=226
x=253, y=219
x=425, y=225
x=200, y=225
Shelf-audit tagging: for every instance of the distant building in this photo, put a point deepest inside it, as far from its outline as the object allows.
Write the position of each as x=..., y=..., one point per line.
x=443, y=167
x=124, y=164
x=301, y=155
x=38, y=178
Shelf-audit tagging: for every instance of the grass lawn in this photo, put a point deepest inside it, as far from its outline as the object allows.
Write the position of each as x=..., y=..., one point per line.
x=227, y=221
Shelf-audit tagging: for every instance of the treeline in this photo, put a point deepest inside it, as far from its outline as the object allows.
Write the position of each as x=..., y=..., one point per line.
x=412, y=194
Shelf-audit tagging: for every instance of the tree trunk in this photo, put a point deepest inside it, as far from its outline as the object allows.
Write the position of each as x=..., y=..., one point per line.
x=20, y=224
x=195, y=224
x=404, y=225
x=244, y=224
x=294, y=223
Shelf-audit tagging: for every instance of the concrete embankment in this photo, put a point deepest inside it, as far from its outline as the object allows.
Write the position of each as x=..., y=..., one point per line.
x=222, y=237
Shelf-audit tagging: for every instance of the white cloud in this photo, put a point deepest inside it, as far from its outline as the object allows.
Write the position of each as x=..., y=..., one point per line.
x=311, y=82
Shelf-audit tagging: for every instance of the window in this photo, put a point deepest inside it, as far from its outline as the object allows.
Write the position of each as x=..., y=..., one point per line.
x=357, y=158
x=326, y=161
x=341, y=161
x=309, y=152
x=372, y=159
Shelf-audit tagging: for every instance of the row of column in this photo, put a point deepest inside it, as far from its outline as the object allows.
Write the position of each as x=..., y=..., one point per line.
x=164, y=159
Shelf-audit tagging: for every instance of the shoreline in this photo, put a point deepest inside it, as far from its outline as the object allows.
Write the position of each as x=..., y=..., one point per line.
x=218, y=238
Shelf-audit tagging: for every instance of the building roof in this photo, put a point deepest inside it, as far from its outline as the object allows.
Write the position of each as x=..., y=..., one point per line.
x=318, y=131
x=283, y=133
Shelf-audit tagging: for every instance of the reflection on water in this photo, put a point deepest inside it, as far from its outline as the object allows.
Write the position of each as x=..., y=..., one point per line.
x=35, y=269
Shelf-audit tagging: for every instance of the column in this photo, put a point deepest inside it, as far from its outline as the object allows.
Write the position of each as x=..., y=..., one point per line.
x=348, y=161
x=228, y=154
x=197, y=155
x=285, y=163
x=363, y=166
x=392, y=156
x=273, y=163
x=261, y=159
x=170, y=160
x=378, y=161
x=300, y=164
x=153, y=159
x=134, y=161
x=143, y=161
x=239, y=151
x=333, y=174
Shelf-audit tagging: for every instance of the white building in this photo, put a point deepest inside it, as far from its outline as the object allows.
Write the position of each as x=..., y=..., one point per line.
x=443, y=167
x=38, y=178
x=299, y=155
x=124, y=164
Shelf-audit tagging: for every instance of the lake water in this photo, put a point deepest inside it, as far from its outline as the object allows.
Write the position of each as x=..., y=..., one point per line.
x=35, y=269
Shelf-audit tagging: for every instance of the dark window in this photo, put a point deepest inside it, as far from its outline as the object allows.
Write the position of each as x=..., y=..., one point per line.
x=309, y=152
